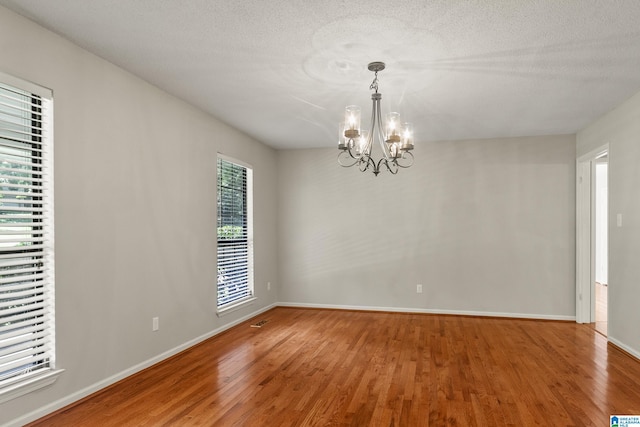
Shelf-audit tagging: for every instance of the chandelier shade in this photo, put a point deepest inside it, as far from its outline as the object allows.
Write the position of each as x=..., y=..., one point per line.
x=395, y=139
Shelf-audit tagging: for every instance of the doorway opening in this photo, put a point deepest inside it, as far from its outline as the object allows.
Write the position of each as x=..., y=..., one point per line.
x=601, y=261
x=592, y=238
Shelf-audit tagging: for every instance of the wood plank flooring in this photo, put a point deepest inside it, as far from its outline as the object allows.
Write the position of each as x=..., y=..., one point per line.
x=307, y=367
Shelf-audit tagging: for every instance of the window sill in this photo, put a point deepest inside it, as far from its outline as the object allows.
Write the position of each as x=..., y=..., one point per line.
x=236, y=306
x=27, y=385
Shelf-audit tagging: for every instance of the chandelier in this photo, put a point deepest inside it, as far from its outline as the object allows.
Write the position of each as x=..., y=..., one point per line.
x=356, y=144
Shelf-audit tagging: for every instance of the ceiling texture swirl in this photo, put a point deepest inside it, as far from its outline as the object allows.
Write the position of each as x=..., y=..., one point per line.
x=283, y=71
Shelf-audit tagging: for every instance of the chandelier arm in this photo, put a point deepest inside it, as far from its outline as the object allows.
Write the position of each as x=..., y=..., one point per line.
x=394, y=163
x=370, y=162
x=365, y=162
x=356, y=157
x=341, y=155
x=376, y=167
x=403, y=157
x=378, y=124
x=371, y=136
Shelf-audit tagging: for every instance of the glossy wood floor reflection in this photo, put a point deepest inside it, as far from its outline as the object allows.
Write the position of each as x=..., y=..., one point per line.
x=308, y=367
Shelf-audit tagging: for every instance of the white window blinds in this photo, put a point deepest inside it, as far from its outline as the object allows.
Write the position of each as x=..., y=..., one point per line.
x=26, y=235
x=235, y=264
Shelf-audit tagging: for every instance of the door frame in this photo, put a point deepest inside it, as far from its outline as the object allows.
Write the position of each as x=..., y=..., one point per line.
x=585, y=232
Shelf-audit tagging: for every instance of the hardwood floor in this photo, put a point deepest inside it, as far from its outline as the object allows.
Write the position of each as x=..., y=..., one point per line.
x=307, y=367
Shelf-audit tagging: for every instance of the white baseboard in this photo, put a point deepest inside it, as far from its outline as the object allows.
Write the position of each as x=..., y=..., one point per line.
x=635, y=353
x=74, y=397
x=430, y=311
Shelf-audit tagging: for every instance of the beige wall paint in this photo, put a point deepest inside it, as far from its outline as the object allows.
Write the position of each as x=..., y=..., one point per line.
x=486, y=226
x=621, y=129
x=135, y=206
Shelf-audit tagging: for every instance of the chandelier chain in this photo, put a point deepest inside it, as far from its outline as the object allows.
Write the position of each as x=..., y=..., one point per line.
x=374, y=83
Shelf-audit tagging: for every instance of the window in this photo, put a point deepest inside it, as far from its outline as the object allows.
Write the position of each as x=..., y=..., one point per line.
x=26, y=238
x=235, y=234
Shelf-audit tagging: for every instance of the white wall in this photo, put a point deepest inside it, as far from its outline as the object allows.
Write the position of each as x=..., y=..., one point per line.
x=621, y=129
x=135, y=206
x=486, y=226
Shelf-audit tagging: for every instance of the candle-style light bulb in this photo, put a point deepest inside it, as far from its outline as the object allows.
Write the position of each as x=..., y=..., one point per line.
x=352, y=121
x=342, y=141
x=392, y=127
x=407, y=136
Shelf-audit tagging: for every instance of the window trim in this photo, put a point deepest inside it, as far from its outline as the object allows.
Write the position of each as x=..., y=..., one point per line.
x=30, y=381
x=30, y=384
x=247, y=300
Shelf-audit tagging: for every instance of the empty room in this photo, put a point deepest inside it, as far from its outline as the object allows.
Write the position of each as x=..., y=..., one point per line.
x=337, y=213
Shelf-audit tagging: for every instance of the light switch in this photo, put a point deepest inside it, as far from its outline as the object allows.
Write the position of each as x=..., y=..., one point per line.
x=619, y=220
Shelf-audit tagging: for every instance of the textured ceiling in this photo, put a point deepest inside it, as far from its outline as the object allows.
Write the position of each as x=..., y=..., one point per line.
x=282, y=71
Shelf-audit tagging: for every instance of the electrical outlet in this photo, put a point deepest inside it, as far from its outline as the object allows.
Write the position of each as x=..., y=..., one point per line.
x=156, y=323
x=419, y=289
